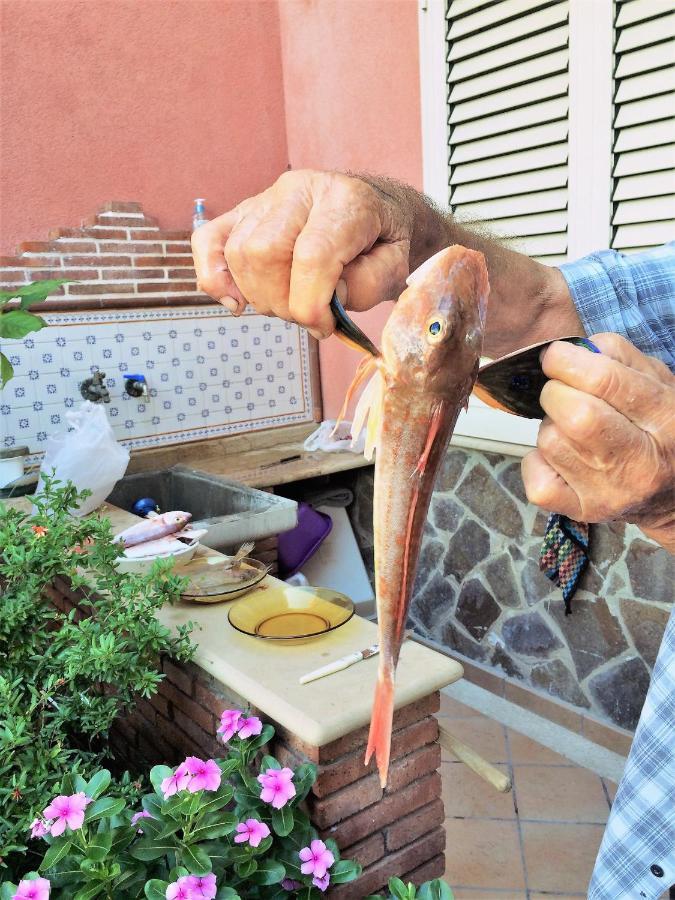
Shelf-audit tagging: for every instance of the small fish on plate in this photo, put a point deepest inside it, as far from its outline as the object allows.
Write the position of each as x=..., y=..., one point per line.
x=165, y=546
x=154, y=527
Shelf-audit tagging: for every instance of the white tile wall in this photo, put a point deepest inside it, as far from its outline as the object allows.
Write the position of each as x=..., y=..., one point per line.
x=208, y=374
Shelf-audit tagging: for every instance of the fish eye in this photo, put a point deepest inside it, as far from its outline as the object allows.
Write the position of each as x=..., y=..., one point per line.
x=437, y=329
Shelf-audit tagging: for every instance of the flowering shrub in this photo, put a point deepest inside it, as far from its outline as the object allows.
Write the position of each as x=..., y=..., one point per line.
x=63, y=678
x=430, y=890
x=17, y=322
x=210, y=829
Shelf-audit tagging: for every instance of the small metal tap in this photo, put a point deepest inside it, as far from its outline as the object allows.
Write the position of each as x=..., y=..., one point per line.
x=94, y=388
x=136, y=385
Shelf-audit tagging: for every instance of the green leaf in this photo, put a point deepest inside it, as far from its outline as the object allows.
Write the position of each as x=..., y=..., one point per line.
x=99, y=845
x=246, y=869
x=97, y=784
x=6, y=372
x=211, y=801
x=227, y=766
x=196, y=859
x=17, y=323
x=344, y=870
x=282, y=820
x=33, y=293
x=398, y=889
x=226, y=893
x=122, y=837
x=152, y=848
x=268, y=872
x=89, y=891
x=152, y=804
x=56, y=852
x=105, y=806
x=157, y=776
x=156, y=889
x=334, y=849
x=226, y=824
x=7, y=890
x=263, y=738
x=269, y=762
x=435, y=890
x=303, y=779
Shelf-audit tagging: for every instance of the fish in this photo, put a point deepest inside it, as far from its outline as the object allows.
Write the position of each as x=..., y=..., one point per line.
x=151, y=529
x=416, y=387
x=171, y=543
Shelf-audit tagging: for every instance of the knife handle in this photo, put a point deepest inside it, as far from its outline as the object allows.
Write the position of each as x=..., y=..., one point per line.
x=335, y=666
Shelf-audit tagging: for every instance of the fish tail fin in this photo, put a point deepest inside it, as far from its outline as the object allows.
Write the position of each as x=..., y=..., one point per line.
x=379, y=738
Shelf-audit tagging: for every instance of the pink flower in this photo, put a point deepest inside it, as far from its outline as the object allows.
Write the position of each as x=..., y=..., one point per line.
x=253, y=831
x=35, y=889
x=321, y=883
x=316, y=859
x=289, y=885
x=277, y=787
x=205, y=775
x=229, y=724
x=176, y=782
x=38, y=828
x=248, y=727
x=180, y=890
x=203, y=886
x=143, y=814
x=66, y=811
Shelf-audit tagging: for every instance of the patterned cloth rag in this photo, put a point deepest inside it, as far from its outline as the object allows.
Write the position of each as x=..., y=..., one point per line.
x=564, y=554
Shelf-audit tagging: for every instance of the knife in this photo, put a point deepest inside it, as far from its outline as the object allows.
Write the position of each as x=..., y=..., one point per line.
x=344, y=662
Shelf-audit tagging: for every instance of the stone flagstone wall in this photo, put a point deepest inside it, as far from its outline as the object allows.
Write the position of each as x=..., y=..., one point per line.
x=479, y=590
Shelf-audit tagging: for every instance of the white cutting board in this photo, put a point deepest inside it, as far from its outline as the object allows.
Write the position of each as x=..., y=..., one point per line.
x=337, y=564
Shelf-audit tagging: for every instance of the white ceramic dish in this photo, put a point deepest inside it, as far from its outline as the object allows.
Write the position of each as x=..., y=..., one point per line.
x=141, y=565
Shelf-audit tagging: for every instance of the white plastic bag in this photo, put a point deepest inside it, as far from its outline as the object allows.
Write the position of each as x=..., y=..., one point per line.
x=88, y=456
x=324, y=439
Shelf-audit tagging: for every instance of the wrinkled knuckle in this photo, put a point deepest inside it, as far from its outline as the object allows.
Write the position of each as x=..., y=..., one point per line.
x=313, y=249
x=582, y=423
x=538, y=493
x=548, y=440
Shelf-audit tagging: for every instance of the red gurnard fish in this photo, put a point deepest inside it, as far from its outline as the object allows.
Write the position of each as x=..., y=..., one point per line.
x=431, y=346
x=153, y=528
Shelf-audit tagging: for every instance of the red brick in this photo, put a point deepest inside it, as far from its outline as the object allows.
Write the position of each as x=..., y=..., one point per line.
x=160, y=705
x=30, y=262
x=98, y=233
x=210, y=701
x=126, y=728
x=429, y=871
x=72, y=274
x=13, y=275
x=97, y=262
x=76, y=289
x=151, y=248
x=143, y=261
x=179, y=248
x=180, y=273
x=58, y=247
x=115, y=221
x=413, y=766
x=409, y=858
x=132, y=274
x=166, y=286
x=122, y=206
x=391, y=808
x=409, y=828
x=163, y=236
x=203, y=739
x=338, y=806
x=366, y=852
x=177, y=674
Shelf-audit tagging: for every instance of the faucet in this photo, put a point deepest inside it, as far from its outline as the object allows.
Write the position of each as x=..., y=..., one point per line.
x=94, y=388
x=136, y=385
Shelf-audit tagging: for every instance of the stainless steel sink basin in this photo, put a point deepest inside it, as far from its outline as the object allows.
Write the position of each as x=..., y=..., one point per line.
x=232, y=512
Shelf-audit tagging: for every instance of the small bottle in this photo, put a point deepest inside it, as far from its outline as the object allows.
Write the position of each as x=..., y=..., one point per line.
x=198, y=216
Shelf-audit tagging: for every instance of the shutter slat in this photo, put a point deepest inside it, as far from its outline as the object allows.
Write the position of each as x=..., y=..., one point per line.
x=641, y=136
x=541, y=244
x=657, y=56
x=490, y=35
x=645, y=210
x=492, y=17
x=544, y=89
x=638, y=162
x=555, y=260
x=527, y=161
x=523, y=204
x=541, y=180
x=515, y=52
x=650, y=84
x=650, y=32
x=511, y=142
x=530, y=226
x=632, y=187
x=647, y=234
x=651, y=109
x=639, y=10
x=511, y=121
x=507, y=77
x=458, y=8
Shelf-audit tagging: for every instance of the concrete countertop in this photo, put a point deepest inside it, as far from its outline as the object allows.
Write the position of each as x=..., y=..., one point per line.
x=266, y=674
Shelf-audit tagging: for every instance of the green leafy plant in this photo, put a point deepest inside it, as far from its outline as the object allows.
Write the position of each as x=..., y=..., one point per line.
x=430, y=890
x=17, y=322
x=65, y=676
x=209, y=829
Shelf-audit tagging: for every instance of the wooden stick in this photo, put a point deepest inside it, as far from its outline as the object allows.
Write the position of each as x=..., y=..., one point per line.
x=474, y=761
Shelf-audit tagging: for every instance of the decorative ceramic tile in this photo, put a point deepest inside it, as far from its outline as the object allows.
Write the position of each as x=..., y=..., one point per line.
x=208, y=374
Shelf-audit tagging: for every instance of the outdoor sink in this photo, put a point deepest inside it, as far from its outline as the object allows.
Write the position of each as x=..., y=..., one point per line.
x=232, y=512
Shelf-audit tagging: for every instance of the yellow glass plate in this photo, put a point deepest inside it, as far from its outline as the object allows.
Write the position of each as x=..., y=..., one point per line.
x=286, y=613
x=216, y=584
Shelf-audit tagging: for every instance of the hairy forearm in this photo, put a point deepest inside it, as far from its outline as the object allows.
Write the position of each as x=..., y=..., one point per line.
x=528, y=301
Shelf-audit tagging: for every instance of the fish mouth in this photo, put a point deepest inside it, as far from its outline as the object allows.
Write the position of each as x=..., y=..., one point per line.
x=348, y=330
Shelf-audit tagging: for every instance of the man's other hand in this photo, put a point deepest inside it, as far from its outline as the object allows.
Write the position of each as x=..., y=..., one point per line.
x=606, y=449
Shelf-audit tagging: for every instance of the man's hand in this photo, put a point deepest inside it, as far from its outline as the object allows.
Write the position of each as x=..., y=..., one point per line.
x=285, y=250
x=606, y=449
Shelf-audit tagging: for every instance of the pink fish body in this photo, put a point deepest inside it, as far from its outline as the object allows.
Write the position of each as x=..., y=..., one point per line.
x=155, y=528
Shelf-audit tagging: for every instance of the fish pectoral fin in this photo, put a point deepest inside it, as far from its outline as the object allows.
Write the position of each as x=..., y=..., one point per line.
x=366, y=368
x=434, y=427
x=369, y=409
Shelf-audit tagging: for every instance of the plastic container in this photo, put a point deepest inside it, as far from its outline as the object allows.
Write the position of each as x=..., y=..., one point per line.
x=301, y=543
x=12, y=461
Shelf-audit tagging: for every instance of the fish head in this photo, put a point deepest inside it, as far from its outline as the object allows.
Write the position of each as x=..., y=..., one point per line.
x=177, y=517
x=436, y=327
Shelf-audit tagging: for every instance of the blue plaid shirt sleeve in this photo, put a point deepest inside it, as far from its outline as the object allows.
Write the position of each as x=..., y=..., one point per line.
x=632, y=295
x=637, y=855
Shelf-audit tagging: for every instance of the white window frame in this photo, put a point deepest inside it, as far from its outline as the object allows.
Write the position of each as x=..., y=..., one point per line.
x=591, y=64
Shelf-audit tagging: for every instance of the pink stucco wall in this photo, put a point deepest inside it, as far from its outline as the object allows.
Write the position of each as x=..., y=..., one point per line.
x=351, y=85
x=153, y=100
